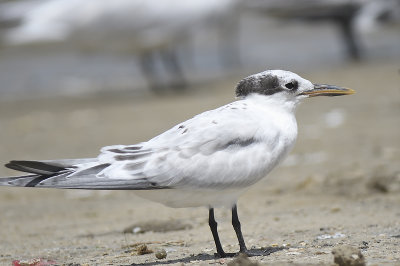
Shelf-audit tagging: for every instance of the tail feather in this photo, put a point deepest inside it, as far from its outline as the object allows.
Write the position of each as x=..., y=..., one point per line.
x=47, y=167
x=42, y=170
x=21, y=181
x=95, y=183
x=71, y=174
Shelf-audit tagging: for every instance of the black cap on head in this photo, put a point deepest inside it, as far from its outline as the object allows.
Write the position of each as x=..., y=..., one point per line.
x=266, y=84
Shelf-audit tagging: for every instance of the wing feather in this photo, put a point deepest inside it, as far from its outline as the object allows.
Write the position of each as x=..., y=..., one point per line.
x=203, y=151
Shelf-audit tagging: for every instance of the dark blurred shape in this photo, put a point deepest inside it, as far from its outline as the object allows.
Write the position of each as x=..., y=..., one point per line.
x=341, y=13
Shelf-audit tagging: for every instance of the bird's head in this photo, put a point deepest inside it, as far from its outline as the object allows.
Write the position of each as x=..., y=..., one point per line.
x=287, y=85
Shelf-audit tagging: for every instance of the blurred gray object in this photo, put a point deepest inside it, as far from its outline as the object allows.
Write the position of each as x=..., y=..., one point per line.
x=348, y=15
x=149, y=28
x=340, y=12
x=376, y=13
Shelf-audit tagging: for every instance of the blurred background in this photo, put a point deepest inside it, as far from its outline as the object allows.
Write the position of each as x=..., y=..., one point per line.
x=70, y=48
x=79, y=75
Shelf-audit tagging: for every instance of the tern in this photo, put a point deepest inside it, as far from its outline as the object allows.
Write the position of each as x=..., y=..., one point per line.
x=208, y=160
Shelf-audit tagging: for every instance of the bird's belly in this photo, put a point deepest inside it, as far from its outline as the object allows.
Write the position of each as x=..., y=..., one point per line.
x=219, y=181
x=221, y=191
x=182, y=198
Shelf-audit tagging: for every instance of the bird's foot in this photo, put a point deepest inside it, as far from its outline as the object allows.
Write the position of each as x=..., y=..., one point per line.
x=248, y=253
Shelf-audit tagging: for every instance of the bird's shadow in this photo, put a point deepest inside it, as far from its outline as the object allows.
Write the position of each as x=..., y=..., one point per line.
x=204, y=257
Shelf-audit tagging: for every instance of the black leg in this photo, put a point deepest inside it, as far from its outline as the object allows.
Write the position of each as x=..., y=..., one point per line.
x=213, y=226
x=238, y=230
x=242, y=245
x=236, y=225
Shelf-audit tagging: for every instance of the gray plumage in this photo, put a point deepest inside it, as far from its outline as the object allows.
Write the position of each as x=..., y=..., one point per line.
x=67, y=174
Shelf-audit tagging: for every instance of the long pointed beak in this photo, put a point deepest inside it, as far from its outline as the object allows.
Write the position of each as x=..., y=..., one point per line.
x=327, y=90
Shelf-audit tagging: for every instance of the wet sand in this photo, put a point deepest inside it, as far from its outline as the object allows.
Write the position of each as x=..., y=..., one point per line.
x=340, y=185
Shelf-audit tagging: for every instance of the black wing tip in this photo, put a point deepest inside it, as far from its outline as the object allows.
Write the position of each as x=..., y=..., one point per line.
x=19, y=161
x=13, y=165
x=16, y=164
x=35, y=167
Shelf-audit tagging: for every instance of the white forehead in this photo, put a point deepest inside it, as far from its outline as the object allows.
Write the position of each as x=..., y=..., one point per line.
x=281, y=74
x=285, y=76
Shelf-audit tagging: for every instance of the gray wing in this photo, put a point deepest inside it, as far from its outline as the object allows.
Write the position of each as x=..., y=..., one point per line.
x=218, y=148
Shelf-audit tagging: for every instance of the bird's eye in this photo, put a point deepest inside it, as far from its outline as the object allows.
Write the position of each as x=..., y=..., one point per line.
x=292, y=85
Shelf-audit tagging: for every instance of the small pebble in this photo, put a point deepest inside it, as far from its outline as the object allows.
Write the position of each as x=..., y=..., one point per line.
x=143, y=249
x=136, y=230
x=293, y=253
x=348, y=256
x=161, y=254
x=330, y=236
x=303, y=244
